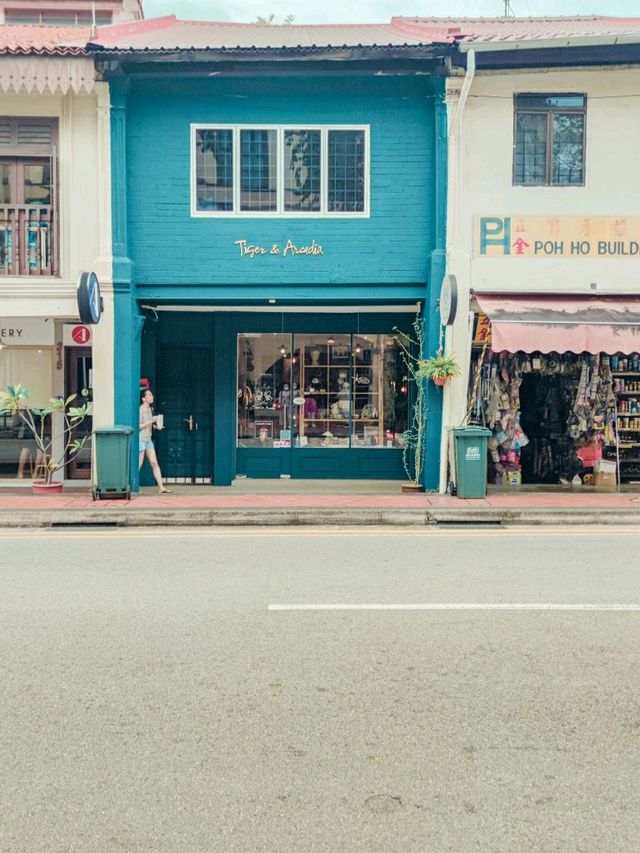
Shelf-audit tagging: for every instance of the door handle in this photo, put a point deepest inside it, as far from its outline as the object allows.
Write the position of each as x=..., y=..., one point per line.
x=190, y=423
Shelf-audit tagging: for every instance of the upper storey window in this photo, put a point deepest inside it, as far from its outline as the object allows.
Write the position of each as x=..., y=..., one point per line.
x=240, y=170
x=549, y=140
x=28, y=197
x=53, y=18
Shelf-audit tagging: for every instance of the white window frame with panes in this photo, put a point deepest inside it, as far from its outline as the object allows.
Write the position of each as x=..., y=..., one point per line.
x=280, y=212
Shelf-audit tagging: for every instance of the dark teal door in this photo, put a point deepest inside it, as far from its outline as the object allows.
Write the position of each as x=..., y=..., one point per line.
x=185, y=398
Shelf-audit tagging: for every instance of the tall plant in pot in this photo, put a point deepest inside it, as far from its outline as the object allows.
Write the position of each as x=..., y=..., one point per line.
x=52, y=452
x=411, y=348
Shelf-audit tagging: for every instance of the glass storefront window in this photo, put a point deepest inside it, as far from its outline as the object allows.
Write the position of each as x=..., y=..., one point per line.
x=33, y=368
x=265, y=392
x=337, y=391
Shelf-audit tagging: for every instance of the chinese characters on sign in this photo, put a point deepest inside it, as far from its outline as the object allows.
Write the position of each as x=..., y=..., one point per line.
x=557, y=236
x=249, y=250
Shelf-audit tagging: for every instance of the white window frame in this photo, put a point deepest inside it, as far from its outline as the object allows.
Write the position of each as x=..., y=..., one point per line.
x=281, y=213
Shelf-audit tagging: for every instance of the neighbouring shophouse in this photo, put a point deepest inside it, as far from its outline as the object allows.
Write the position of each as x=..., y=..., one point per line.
x=55, y=221
x=278, y=219
x=543, y=240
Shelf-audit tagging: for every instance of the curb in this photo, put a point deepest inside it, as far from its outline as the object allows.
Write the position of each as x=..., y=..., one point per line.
x=318, y=516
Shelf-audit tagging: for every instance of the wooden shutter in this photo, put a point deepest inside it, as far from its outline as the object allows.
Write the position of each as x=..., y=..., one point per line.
x=27, y=137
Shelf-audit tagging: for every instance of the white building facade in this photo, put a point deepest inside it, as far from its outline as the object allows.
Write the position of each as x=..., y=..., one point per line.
x=55, y=222
x=544, y=189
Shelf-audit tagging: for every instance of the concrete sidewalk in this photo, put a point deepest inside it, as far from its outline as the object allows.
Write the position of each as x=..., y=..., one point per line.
x=314, y=502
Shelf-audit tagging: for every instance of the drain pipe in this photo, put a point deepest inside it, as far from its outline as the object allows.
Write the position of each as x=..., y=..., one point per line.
x=447, y=463
x=464, y=91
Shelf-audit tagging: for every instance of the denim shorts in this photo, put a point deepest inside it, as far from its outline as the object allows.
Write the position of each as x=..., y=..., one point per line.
x=145, y=445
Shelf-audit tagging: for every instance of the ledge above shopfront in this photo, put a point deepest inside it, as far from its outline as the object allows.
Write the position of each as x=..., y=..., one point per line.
x=568, y=323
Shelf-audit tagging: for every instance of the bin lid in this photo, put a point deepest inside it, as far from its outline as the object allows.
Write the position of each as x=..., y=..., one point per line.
x=471, y=432
x=118, y=429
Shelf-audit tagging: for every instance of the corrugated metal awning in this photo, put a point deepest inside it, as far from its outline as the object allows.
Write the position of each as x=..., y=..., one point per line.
x=577, y=324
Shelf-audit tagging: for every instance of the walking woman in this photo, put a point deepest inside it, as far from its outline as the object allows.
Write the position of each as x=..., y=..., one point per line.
x=148, y=421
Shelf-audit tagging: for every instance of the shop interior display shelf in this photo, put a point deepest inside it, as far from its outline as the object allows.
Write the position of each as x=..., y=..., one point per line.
x=620, y=393
x=343, y=420
x=626, y=373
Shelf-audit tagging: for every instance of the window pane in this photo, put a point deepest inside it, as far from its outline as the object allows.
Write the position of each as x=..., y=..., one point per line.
x=531, y=149
x=543, y=102
x=379, y=417
x=37, y=183
x=62, y=19
x=5, y=183
x=22, y=17
x=302, y=170
x=86, y=18
x=346, y=171
x=265, y=392
x=322, y=370
x=214, y=169
x=258, y=165
x=568, y=148
x=395, y=391
x=19, y=457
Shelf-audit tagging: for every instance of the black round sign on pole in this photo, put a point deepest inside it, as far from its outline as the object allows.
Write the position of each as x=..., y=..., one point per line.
x=448, y=300
x=89, y=299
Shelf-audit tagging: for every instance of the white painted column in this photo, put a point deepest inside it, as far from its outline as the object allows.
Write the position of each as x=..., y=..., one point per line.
x=104, y=332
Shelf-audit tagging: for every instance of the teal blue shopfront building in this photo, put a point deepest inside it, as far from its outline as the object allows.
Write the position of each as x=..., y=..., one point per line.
x=278, y=222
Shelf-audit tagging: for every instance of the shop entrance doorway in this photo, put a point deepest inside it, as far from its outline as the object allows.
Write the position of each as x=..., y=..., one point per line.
x=544, y=412
x=79, y=381
x=185, y=400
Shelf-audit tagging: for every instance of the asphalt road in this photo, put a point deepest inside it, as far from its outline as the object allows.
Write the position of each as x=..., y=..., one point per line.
x=151, y=701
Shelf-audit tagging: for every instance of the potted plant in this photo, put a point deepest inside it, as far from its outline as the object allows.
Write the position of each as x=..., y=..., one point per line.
x=413, y=440
x=440, y=368
x=52, y=453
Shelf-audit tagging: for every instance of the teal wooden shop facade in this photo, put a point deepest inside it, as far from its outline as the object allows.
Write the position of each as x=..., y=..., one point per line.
x=258, y=296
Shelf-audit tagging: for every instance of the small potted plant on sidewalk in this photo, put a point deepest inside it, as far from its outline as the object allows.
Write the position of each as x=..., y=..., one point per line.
x=440, y=369
x=52, y=452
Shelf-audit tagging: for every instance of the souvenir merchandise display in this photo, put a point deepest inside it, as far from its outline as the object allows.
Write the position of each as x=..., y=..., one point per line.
x=552, y=416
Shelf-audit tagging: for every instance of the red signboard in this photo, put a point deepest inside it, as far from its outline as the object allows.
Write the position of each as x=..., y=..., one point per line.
x=81, y=335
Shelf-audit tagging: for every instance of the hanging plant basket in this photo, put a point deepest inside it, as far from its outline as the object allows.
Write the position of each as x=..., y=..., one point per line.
x=440, y=369
x=39, y=487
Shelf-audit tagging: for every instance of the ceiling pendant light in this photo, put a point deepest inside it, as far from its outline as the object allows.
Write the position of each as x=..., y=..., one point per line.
x=283, y=349
x=358, y=348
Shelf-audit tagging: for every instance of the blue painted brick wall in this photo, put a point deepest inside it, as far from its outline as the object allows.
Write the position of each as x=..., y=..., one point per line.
x=393, y=245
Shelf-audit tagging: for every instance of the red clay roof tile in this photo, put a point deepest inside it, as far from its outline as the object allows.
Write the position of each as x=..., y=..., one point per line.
x=29, y=39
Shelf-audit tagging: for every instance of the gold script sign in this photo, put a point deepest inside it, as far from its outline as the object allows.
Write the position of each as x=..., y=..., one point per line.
x=252, y=250
x=557, y=237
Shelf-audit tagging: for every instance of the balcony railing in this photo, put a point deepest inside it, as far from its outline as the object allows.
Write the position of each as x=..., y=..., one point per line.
x=28, y=244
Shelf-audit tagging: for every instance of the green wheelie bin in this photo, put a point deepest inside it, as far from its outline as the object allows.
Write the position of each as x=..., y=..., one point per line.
x=111, y=463
x=471, y=461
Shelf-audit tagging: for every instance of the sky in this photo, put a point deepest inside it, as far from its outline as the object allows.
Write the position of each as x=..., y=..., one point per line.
x=337, y=11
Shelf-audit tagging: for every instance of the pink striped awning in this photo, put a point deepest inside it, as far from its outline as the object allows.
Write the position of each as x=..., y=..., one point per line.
x=577, y=324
